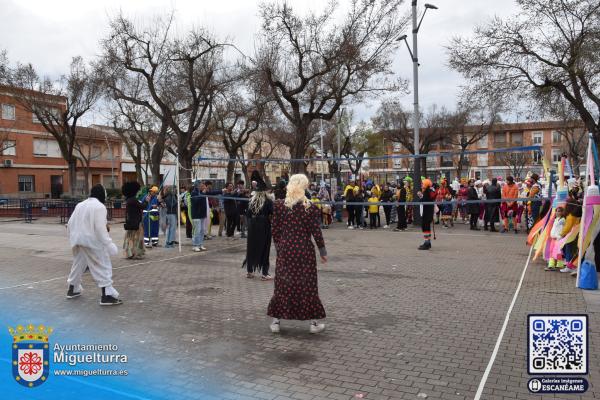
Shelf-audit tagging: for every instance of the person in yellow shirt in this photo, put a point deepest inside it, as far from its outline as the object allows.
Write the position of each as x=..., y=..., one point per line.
x=317, y=202
x=373, y=210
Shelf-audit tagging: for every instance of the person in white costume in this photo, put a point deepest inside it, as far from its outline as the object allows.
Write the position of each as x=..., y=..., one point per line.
x=92, y=247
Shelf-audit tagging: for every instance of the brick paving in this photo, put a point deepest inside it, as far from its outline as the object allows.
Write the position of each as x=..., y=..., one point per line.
x=402, y=324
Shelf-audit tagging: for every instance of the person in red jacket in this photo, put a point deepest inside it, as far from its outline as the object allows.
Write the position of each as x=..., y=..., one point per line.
x=509, y=209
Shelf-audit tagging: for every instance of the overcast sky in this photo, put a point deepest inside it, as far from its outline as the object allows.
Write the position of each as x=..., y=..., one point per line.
x=48, y=33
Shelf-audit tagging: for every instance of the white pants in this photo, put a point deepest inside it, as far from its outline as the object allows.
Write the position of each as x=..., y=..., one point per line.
x=100, y=268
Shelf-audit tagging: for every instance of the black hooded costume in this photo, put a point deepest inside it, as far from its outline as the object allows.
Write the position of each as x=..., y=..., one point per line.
x=258, y=245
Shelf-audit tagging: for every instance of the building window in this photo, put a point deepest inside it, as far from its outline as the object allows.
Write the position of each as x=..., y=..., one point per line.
x=517, y=138
x=55, y=112
x=8, y=111
x=397, y=163
x=537, y=138
x=397, y=147
x=556, y=155
x=40, y=147
x=96, y=152
x=26, y=183
x=500, y=138
x=446, y=161
x=483, y=142
x=482, y=160
x=556, y=137
x=536, y=156
x=9, y=148
x=213, y=176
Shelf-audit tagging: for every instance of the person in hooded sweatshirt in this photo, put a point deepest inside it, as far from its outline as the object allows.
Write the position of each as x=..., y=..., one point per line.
x=92, y=247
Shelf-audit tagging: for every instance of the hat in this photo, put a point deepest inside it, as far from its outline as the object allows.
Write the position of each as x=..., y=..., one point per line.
x=260, y=183
x=426, y=183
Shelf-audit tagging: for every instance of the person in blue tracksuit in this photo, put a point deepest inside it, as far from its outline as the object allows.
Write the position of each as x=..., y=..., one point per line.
x=151, y=219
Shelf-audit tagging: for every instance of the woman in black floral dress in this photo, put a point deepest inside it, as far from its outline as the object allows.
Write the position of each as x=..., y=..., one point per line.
x=295, y=221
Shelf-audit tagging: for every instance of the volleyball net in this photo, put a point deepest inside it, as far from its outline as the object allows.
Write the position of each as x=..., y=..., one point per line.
x=365, y=181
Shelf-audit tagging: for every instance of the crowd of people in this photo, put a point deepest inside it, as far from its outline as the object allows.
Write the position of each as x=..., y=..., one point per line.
x=292, y=214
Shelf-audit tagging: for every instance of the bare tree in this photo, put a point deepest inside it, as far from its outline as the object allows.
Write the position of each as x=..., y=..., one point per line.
x=395, y=124
x=88, y=148
x=571, y=129
x=311, y=65
x=467, y=126
x=58, y=105
x=516, y=162
x=549, y=48
x=236, y=118
x=180, y=76
x=134, y=125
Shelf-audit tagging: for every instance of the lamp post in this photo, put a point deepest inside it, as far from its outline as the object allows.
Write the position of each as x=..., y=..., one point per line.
x=414, y=54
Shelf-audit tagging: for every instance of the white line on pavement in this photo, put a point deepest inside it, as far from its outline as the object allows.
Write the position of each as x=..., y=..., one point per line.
x=124, y=266
x=488, y=369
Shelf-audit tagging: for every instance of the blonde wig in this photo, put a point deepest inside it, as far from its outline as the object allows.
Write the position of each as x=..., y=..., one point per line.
x=296, y=189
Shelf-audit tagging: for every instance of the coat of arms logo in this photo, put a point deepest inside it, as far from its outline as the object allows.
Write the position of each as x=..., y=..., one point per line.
x=30, y=354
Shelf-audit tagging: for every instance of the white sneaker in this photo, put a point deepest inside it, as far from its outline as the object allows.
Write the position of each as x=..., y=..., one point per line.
x=385, y=227
x=566, y=269
x=197, y=249
x=274, y=327
x=316, y=327
x=202, y=248
x=350, y=227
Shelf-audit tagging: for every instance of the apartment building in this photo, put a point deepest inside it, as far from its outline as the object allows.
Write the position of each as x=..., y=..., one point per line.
x=485, y=165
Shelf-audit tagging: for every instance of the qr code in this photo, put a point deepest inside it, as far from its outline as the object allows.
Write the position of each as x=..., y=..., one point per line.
x=557, y=344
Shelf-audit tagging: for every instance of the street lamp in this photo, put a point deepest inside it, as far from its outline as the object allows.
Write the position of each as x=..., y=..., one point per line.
x=414, y=55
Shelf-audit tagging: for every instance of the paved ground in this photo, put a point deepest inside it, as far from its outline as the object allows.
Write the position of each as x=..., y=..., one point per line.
x=401, y=324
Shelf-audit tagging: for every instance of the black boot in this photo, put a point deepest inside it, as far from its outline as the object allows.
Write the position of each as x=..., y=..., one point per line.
x=425, y=246
x=109, y=300
x=71, y=294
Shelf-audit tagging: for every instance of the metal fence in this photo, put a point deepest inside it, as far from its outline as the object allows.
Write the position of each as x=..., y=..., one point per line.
x=29, y=209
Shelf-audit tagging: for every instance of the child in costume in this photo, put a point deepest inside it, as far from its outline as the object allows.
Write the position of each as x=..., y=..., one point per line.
x=373, y=210
x=427, y=194
x=555, y=260
x=570, y=235
x=446, y=207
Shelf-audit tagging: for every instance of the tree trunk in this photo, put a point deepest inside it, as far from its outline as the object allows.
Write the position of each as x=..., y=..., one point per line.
x=185, y=172
x=156, y=157
x=298, y=150
x=423, y=162
x=138, y=163
x=73, y=177
x=86, y=182
x=246, y=175
x=231, y=166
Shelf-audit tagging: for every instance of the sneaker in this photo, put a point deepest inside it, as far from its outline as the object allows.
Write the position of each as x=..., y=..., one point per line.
x=266, y=278
x=71, y=293
x=202, y=248
x=197, y=249
x=350, y=227
x=110, y=301
x=250, y=275
x=549, y=268
x=274, y=327
x=386, y=227
x=565, y=270
x=316, y=327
